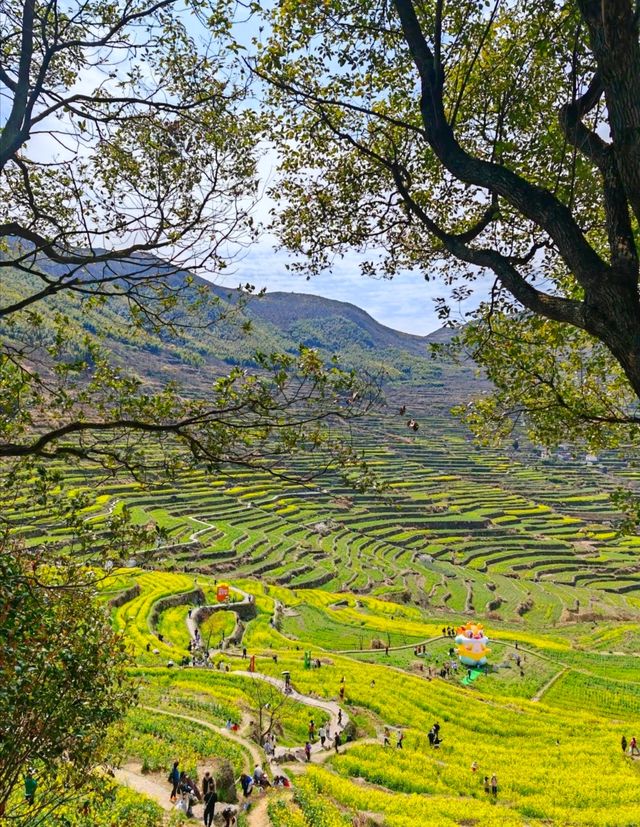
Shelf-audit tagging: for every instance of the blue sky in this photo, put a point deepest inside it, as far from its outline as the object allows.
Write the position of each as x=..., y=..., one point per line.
x=405, y=303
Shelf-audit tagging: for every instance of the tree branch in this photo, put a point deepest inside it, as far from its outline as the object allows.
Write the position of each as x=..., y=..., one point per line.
x=536, y=203
x=553, y=307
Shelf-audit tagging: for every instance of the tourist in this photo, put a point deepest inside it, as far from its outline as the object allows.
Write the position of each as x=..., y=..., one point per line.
x=373, y=683
x=188, y=795
x=229, y=817
x=434, y=735
x=386, y=651
x=623, y=744
x=312, y=729
x=487, y=786
x=30, y=787
x=210, y=798
x=244, y=651
x=307, y=751
x=174, y=779
x=386, y=741
x=474, y=767
x=339, y=717
x=246, y=782
x=400, y=740
x=342, y=692
x=337, y=741
x=322, y=735
x=633, y=746
x=258, y=775
x=494, y=784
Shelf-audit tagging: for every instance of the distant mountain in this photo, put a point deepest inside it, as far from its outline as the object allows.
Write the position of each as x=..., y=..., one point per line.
x=278, y=321
x=332, y=321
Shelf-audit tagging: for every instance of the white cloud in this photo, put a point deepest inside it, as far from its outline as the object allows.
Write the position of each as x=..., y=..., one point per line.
x=405, y=303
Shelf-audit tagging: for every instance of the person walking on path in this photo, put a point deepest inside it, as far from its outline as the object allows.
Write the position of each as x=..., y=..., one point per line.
x=400, y=740
x=339, y=717
x=487, y=786
x=386, y=737
x=633, y=746
x=228, y=816
x=494, y=784
x=312, y=730
x=210, y=798
x=174, y=779
x=623, y=744
x=322, y=735
x=336, y=742
x=307, y=751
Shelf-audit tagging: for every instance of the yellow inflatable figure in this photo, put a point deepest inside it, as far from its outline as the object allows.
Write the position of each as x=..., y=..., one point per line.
x=472, y=644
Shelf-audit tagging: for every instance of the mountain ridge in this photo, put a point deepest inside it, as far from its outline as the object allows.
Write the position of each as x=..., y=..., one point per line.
x=279, y=321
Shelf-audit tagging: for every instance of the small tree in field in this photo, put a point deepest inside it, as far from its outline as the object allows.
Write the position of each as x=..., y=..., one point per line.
x=268, y=705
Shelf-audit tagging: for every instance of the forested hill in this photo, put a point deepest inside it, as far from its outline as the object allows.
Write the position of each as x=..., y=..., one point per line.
x=278, y=322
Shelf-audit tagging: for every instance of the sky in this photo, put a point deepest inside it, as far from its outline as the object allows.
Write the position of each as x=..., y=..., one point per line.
x=404, y=303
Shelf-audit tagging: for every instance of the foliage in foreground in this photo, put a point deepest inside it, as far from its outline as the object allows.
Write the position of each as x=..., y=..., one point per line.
x=63, y=679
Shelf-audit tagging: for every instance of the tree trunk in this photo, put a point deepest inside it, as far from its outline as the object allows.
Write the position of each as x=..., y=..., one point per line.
x=613, y=316
x=613, y=32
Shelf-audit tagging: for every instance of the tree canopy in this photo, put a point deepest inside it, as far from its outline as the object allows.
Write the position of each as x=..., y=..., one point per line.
x=63, y=682
x=129, y=155
x=472, y=138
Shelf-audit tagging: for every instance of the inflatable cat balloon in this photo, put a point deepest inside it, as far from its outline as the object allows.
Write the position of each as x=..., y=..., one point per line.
x=472, y=644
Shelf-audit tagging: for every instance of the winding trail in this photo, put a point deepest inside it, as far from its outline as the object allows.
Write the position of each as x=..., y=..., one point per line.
x=331, y=707
x=389, y=648
x=249, y=746
x=192, y=625
x=130, y=775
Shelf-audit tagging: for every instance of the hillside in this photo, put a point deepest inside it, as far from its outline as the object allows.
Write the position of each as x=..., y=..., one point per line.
x=278, y=322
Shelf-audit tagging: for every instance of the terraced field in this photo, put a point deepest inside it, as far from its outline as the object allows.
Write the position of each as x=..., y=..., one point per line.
x=366, y=582
x=458, y=529
x=549, y=728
